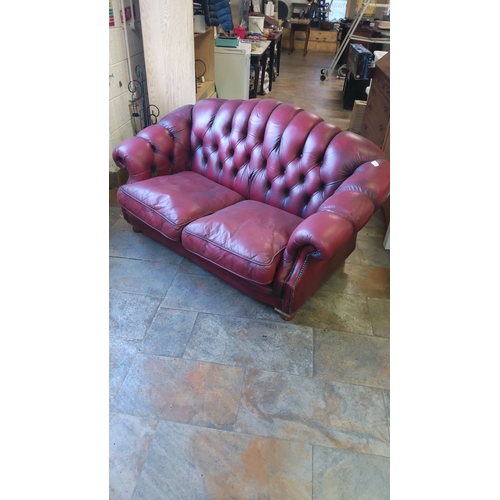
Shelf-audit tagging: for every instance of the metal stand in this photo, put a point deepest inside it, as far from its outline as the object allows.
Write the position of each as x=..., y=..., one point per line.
x=145, y=115
x=325, y=73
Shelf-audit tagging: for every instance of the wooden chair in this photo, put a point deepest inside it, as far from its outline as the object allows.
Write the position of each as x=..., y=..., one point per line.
x=299, y=25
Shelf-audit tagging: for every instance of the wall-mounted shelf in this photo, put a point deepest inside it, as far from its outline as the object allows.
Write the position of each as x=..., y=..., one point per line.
x=204, y=50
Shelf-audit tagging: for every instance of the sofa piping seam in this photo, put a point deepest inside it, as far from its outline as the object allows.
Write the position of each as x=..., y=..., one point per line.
x=297, y=280
x=156, y=212
x=226, y=269
x=233, y=252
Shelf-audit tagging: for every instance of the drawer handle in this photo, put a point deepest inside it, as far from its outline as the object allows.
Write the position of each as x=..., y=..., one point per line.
x=369, y=106
x=385, y=109
x=387, y=90
x=381, y=127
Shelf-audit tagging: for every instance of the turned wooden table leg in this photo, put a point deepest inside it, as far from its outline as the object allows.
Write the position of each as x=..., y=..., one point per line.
x=308, y=31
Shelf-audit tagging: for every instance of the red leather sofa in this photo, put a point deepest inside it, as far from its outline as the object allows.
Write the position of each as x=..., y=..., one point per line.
x=265, y=195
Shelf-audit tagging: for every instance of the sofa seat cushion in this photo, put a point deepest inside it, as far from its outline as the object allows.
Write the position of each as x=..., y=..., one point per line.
x=247, y=239
x=167, y=203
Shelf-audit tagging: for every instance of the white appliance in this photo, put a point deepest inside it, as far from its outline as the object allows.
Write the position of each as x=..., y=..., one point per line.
x=232, y=71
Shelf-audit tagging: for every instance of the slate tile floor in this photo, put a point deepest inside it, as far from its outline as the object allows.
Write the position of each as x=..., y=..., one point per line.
x=213, y=396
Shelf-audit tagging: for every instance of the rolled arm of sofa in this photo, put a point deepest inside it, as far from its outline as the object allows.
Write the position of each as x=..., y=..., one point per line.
x=322, y=232
x=148, y=154
x=371, y=179
x=159, y=149
x=337, y=218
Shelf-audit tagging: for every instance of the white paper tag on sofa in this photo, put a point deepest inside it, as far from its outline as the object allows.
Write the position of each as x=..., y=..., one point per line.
x=375, y=163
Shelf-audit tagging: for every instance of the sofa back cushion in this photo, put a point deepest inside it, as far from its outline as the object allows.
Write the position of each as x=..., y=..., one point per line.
x=273, y=152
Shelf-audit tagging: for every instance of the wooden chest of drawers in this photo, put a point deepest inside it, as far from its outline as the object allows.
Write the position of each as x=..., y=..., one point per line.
x=376, y=121
x=319, y=41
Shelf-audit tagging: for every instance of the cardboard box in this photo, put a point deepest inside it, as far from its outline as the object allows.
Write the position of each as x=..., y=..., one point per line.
x=358, y=112
x=382, y=25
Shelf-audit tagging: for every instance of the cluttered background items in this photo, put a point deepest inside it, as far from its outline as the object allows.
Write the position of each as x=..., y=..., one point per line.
x=213, y=13
x=236, y=18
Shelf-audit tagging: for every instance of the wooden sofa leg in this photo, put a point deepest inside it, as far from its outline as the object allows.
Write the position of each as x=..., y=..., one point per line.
x=284, y=316
x=136, y=230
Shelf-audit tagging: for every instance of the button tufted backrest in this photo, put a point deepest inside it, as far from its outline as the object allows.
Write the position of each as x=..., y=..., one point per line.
x=270, y=151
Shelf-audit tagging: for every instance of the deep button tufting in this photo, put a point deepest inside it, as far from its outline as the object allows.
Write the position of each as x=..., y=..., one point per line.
x=322, y=185
x=302, y=178
x=282, y=170
x=216, y=147
x=153, y=148
x=269, y=185
x=286, y=192
x=235, y=171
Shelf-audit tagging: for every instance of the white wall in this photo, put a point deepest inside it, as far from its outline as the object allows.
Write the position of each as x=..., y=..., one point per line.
x=120, y=125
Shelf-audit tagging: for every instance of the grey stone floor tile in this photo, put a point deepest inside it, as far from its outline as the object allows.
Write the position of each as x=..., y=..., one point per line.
x=169, y=333
x=208, y=294
x=368, y=281
x=380, y=313
x=352, y=358
x=314, y=411
x=139, y=246
x=130, y=314
x=387, y=400
x=121, y=354
x=376, y=226
x=191, y=463
x=267, y=313
x=266, y=345
x=181, y=390
x=114, y=215
x=190, y=267
x=121, y=225
x=335, y=311
x=354, y=258
x=346, y=475
x=372, y=252
x=140, y=276
x=129, y=441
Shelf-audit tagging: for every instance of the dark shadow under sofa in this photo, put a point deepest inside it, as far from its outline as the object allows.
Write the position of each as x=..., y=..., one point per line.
x=265, y=195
